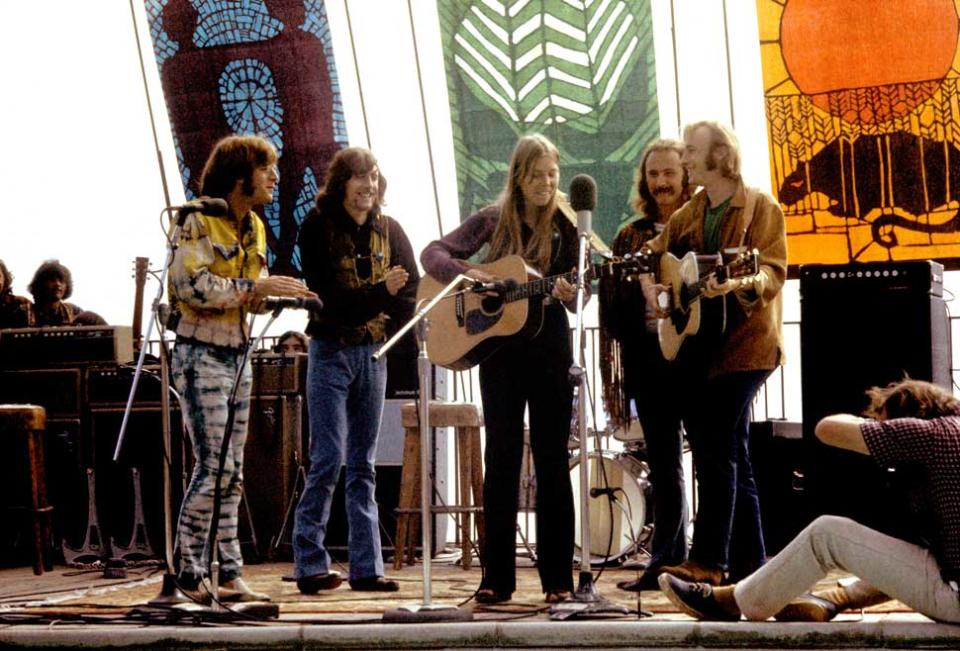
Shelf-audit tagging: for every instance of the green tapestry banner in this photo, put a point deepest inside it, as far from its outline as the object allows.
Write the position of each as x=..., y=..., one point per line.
x=581, y=72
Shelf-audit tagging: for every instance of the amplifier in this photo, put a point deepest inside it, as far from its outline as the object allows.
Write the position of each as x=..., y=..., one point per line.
x=275, y=374
x=110, y=385
x=65, y=346
x=918, y=276
x=56, y=390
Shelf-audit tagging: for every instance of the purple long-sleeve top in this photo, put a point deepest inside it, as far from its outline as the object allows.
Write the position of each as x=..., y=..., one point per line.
x=445, y=258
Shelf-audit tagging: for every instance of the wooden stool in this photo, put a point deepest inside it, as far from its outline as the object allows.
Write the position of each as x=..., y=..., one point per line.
x=465, y=418
x=30, y=421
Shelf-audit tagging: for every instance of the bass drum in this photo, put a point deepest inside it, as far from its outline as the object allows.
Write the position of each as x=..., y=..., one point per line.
x=619, y=512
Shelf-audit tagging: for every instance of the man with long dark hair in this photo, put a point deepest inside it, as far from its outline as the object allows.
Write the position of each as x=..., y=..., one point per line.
x=14, y=310
x=218, y=275
x=910, y=425
x=51, y=286
x=360, y=263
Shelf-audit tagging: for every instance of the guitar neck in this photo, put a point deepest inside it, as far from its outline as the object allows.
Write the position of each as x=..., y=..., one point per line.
x=735, y=269
x=540, y=286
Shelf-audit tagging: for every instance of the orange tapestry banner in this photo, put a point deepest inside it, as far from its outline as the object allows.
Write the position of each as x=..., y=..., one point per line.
x=863, y=113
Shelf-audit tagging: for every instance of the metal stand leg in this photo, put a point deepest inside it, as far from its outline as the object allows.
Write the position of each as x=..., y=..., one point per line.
x=92, y=548
x=139, y=546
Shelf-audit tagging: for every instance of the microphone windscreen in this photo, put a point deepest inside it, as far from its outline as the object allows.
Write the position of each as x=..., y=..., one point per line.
x=214, y=207
x=583, y=192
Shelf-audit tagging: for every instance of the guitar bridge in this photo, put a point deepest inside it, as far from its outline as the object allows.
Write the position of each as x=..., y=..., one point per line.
x=458, y=309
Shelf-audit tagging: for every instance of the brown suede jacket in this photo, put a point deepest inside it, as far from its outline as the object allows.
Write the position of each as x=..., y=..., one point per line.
x=754, y=336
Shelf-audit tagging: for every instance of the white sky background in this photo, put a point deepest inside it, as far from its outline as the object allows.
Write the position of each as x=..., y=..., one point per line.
x=80, y=170
x=82, y=174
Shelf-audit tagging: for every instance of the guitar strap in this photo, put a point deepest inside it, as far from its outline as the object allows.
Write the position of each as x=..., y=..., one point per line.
x=746, y=219
x=748, y=208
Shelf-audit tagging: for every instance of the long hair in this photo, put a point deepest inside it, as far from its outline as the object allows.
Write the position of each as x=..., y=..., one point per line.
x=720, y=136
x=47, y=271
x=910, y=398
x=7, y=285
x=345, y=164
x=642, y=200
x=507, y=237
x=233, y=158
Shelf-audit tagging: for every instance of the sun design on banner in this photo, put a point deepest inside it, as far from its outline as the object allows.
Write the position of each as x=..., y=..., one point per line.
x=863, y=112
x=580, y=72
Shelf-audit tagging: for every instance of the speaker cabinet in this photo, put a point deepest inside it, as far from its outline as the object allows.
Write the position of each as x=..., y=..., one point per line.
x=864, y=325
x=271, y=457
x=776, y=453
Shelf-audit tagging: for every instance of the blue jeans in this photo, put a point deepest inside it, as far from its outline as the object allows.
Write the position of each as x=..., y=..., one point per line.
x=203, y=376
x=727, y=533
x=345, y=391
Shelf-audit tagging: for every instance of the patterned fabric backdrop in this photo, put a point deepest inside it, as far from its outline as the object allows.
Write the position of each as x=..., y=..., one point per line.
x=863, y=112
x=579, y=71
x=253, y=66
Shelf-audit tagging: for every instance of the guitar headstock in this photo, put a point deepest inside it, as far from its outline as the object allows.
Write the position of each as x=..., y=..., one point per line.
x=140, y=268
x=627, y=267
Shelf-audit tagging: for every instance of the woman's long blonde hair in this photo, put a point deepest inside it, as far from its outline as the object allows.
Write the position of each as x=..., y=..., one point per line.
x=507, y=238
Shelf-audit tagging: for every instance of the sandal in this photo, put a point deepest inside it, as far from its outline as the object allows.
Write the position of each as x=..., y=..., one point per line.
x=556, y=596
x=491, y=596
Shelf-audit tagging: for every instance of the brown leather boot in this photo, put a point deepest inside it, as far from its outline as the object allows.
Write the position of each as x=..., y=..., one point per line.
x=825, y=605
x=694, y=572
x=856, y=596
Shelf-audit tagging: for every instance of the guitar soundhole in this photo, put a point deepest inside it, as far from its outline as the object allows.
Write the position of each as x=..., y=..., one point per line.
x=491, y=304
x=679, y=319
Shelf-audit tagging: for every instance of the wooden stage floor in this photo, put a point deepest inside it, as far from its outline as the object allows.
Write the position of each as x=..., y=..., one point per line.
x=78, y=608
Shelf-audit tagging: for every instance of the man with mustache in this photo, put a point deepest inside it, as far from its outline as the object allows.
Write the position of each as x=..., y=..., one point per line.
x=633, y=367
x=52, y=284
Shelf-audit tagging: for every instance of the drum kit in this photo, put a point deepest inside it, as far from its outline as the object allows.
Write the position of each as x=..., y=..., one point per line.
x=620, y=518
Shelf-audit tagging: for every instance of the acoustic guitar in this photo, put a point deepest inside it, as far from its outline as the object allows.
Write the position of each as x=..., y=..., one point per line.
x=682, y=276
x=470, y=324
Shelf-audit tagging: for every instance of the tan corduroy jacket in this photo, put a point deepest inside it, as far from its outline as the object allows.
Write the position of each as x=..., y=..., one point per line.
x=754, y=335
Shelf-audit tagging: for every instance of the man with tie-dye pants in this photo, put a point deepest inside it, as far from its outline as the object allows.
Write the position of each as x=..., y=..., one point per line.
x=218, y=275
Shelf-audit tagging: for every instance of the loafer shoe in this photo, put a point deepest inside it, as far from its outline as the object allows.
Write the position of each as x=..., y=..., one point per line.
x=694, y=572
x=807, y=608
x=491, y=596
x=694, y=599
x=646, y=581
x=374, y=584
x=240, y=591
x=317, y=582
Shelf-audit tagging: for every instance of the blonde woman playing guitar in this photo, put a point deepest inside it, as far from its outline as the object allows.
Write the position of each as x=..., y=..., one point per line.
x=529, y=220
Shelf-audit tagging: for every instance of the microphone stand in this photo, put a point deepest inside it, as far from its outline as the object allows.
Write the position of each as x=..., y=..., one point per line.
x=427, y=611
x=586, y=601
x=169, y=593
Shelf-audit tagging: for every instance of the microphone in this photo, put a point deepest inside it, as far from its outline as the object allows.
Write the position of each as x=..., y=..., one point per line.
x=583, y=199
x=206, y=205
x=597, y=492
x=498, y=286
x=277, y=303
